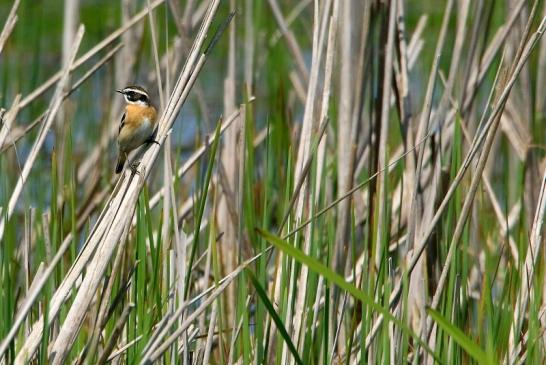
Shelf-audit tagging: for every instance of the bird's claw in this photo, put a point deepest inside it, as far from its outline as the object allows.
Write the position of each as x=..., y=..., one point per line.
x=133, y=166
x=152, y=141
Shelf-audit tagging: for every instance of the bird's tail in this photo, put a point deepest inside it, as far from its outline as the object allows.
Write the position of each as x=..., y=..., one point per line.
x=121, y=162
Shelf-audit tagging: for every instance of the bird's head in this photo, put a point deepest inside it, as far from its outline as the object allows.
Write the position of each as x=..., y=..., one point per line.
x=135, y=95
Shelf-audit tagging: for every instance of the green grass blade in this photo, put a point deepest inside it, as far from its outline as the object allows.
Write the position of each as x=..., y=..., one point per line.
x=338, y=280
x=278, y=321
x=458, y=336
x=201, y=207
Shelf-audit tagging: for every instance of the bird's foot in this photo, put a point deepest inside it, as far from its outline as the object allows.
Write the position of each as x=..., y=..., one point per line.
x=133, y=166
x=151, y=140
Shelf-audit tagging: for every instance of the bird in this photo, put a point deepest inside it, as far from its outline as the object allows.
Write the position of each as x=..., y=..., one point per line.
x=138, y=124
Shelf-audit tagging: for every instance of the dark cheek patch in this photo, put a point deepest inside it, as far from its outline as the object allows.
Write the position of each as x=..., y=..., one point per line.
x=134, y=97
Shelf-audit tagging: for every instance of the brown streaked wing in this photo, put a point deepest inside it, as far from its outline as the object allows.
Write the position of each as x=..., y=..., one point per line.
x=122, y=123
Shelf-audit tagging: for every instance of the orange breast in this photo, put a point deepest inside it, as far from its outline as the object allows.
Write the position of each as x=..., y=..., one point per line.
x=138, y=126
x=135, y=113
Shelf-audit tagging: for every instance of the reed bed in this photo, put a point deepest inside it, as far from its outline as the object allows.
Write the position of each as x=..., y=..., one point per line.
x=336, y=182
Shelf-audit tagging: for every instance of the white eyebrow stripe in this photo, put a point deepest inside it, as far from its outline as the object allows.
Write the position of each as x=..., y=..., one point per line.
x=138, y=91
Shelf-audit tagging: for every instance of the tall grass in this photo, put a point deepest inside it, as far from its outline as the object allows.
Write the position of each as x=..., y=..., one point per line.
x=342, y=182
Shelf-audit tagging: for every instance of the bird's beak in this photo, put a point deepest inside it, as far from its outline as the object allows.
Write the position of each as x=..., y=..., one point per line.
x=119, y=91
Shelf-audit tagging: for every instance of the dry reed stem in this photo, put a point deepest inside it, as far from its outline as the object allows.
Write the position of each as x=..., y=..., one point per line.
x=403, y=66
x=9, y=24
x=76, y=314
x=540, y=94
x=323, y=116
x=229, y=246
x=384, y=125
x=8, y=119
x=455, y=63
x=181, y=242
x=309, y=122
x=290, y=18
x=347, y=85
x=16, y=137
x=168, y=208
x=210, y=333
x=104, y=306
x=305, y=138
x=249, y=47
x=207, y=274
x=304, y=197
x=405, y=113
x=156, y=56
x=158, y=345
x=241, y=157
x=118, y=328
x=326, y=92
x=291, y=42
x=70, y=27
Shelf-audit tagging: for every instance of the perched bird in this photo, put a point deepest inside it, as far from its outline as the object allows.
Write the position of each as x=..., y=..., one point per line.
x=138, y=124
